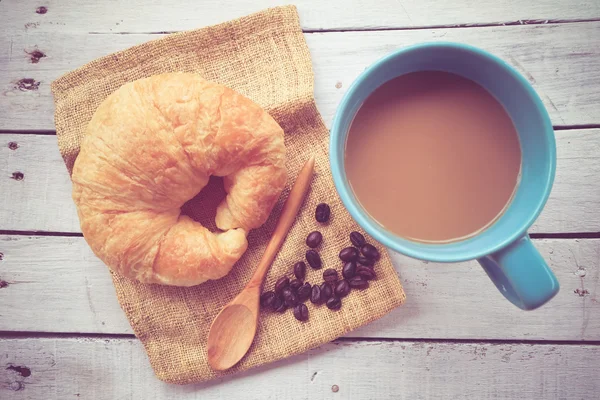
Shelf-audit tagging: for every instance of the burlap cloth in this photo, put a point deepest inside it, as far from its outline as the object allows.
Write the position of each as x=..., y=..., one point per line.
x=263, y=56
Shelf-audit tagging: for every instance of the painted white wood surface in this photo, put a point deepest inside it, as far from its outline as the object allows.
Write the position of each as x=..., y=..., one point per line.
x=560, y=60
x=118, y=369
x=155, y=15
x=41, y=201
x=56, y=284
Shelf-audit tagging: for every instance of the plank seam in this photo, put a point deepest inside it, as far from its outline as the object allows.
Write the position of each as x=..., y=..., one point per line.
x=566, y=235
x=53, y=132
x=48, y=132
x=472, y=341
x=522, y=22
x=39, y=233
x=23, y=335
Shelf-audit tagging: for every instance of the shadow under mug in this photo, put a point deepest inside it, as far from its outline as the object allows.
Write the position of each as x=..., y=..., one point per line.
x=504, y=249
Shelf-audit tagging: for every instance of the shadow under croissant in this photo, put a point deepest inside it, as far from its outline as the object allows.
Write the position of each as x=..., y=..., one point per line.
x=203, y=207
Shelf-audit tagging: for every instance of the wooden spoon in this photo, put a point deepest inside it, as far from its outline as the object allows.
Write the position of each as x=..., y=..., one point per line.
x=233, y=330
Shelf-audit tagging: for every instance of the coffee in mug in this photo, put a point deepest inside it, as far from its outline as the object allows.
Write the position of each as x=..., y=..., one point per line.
x=433, y=157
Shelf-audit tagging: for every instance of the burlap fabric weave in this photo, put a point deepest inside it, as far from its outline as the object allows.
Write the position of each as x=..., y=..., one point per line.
x=263, y=56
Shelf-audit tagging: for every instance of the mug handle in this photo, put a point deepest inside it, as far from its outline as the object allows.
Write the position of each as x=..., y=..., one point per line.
x=521, y=274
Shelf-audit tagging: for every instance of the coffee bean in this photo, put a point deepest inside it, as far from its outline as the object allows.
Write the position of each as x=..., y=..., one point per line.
x=315, y=295
x=330, y=275
x=342, y=288
x=278, y=305
x=281, y=284
x=366, y=273
x=301, y=312
x=370, y=251
x=326, y=290
x=314, y=259
x=289, y=297
x=304, y=292
x=358, y=282
x=334, y=303
x=295, y=284
x=300, y=270
x=357, y=239
x=349, y=254
x=314, y=239
x=349, y=270
x=365, y=261
x=266, y=299
x=322, y=213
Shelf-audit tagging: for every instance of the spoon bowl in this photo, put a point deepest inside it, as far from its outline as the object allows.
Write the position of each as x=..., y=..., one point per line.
x=231, y=335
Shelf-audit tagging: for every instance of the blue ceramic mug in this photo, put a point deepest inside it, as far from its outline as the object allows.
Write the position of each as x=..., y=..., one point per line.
x=504, y=249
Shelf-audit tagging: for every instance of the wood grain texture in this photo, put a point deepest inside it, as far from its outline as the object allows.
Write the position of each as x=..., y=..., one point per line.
x=41, y=201
x=45, y=185
x=56, y=284
x=560, y=60
x=118, y=369
x=153, y=16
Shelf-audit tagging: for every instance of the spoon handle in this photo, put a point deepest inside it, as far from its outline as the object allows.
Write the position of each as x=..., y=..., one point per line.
x=286, y=219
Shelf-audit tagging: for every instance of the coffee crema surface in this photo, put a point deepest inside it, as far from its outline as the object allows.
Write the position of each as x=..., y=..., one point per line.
x=433, y=157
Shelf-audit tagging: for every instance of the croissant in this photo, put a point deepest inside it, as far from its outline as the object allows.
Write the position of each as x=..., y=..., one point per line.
x=151, y=146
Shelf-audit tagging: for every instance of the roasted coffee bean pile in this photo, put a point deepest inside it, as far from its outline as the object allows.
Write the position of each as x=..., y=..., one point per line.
x=357, y=270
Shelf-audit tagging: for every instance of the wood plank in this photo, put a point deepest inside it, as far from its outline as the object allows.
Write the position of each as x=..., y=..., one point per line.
x=56, y=284
x=126, y=16
x=41, y=201
x=43, y=195
x=560, y=60
x=118, y=369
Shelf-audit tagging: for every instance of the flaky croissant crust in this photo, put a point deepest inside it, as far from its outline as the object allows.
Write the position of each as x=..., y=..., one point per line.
x=151, y=146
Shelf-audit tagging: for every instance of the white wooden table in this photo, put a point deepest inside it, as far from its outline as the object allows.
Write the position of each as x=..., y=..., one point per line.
x=63, y=335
